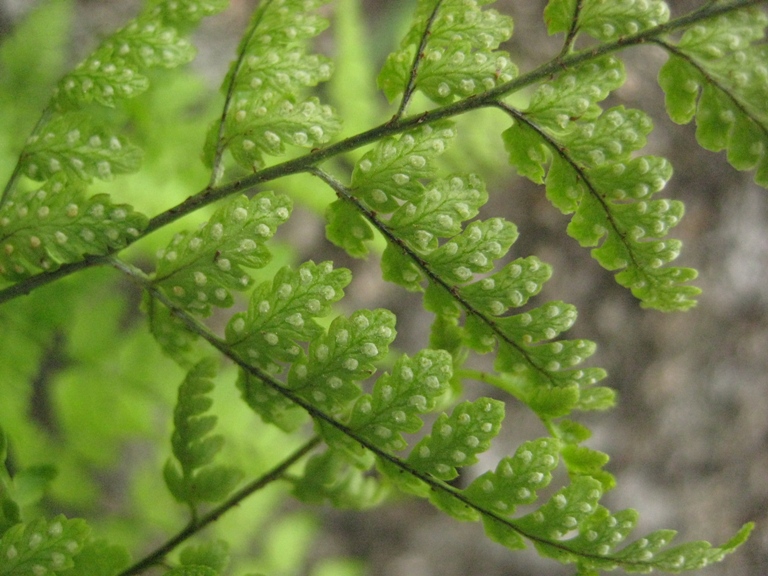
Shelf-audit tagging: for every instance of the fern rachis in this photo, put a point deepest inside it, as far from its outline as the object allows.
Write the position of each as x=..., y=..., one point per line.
x=300, y=362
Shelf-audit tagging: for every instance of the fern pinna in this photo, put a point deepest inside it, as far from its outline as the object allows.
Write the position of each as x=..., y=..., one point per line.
x=299, y=360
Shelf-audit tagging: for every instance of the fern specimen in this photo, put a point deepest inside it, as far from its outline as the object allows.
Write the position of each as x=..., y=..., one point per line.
x=299, y=360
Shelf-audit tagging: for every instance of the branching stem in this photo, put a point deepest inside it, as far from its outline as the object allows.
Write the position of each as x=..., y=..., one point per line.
x=410, y=87
x=277, y=473
x=491, y=98
x=570, y=38
x=346, y=194
x=319, y=416
x=217, y=171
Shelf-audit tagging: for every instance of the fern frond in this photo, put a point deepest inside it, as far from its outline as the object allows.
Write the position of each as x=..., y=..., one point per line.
x=593, y=175
x=399, y=399
x=721, y=65
x=552, y=386
x=456, y=440
x=571, y=526
x=266, y=108
x=72, y=149
x=41, y=545
x=114, y=71
x=199, y=269
x=330, y=476
x=281, y=315
x=56, y=225
x=449, y=53
x=327, y=374
x=604, y=21
x=195, y=479
x=68, y=147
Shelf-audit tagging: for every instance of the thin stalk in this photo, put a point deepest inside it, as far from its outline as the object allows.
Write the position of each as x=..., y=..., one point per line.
x=217, y=170
x=276, y=473
x=410, y=87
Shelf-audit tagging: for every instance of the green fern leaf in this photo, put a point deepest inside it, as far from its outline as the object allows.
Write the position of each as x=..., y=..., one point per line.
x=588, y=462
x=279, y=321
x=41, y=546
x=330, y=476
x=328, y=376
x=258, y=127
x=70, y=149
x=592, y=175
x=53, y=226
x=517, y=479
x=456, y=440
x=214, y=554
x=562, y=514
x=102, y=82
x=113, y=72
x=347, y=228
x=198, y=269
x=512, y=287
x=99, y=558
x=400, y=398
x=265, y=110
x=695, y=555
x=439, y=211
x=144, y=43
x=185, y=12
x=414, y=252
x=283, y=71
x=574, y=95
x=474, y=250
x=195, y=479
x=392, y=170
x=720, y=64
x=605, y=20
x=281, y=315
x=458, y=57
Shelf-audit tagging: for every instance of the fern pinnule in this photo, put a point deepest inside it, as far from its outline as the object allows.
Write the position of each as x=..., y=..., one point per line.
x=282, y=313
x=604, y=21
x=55, y=225
x=588, y=176
x=449, y=53
x=199, y=269
x=699, y=79
x=327, y=375
x=457, y=439
x=266, y=108
x=71, y=150
x=43, y=545
x=193, y=478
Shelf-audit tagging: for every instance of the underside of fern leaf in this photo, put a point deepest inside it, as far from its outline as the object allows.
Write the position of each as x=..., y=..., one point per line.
x=389, y=420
